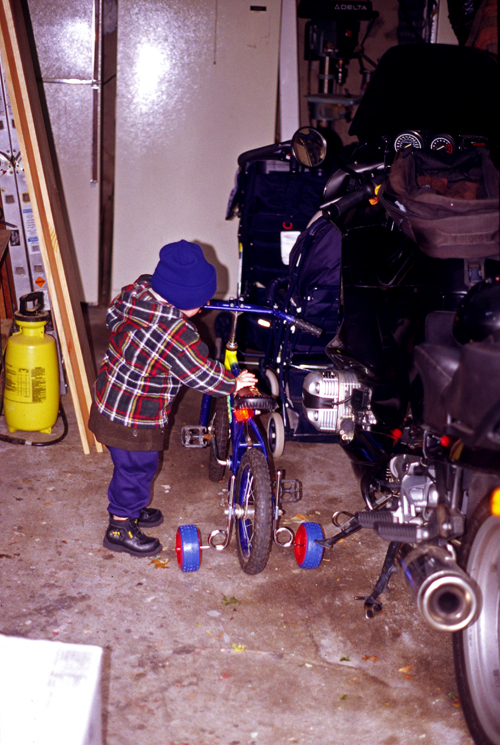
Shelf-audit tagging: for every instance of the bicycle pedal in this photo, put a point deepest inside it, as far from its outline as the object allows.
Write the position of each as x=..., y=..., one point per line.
x=195, y=436
x=290, y=491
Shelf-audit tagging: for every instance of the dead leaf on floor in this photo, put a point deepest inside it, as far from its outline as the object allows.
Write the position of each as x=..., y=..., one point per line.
x=456, y=701
x=160, y=563
x=298, y=519
x=229, y=601
x=367, y=657
x=238, y=647
x=405, y=669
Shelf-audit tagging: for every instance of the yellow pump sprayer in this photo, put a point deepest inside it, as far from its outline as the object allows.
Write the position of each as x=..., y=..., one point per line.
x=31, y=395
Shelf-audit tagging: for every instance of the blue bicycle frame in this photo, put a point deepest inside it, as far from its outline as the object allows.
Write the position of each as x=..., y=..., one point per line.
x=243, y=430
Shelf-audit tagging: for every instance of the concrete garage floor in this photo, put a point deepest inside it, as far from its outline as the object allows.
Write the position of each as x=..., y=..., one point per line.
x=217, y=657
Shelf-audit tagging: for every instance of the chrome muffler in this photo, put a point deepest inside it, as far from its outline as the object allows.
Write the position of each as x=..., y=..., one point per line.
x=447, y=597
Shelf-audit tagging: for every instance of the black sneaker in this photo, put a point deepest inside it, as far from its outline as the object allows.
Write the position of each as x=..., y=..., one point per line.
x=149, y=518
x=125, y=535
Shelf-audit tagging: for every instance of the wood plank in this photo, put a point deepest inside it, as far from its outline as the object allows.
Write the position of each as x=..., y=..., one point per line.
x=48, y=210
x=4, y=242
x=6, y=280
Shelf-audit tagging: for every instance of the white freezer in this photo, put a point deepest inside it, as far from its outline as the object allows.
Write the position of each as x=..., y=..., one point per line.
x=197, y=85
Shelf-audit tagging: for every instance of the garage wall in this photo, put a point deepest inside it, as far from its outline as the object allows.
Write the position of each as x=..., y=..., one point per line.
x=196, y=86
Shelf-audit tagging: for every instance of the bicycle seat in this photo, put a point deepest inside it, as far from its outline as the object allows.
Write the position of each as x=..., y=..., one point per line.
x=251, y=398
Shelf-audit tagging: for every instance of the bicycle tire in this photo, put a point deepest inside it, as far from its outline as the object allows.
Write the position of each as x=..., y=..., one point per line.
x=220, y=431
x=254, y=528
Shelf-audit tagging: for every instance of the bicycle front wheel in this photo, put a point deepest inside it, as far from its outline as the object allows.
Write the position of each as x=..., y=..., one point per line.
x=220, y=432
x=254, y=524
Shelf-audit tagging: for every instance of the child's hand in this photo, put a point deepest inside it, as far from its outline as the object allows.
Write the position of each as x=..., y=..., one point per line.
x=245, y=379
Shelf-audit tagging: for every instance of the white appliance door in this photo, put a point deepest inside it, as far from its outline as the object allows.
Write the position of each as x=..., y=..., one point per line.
x=197, y=85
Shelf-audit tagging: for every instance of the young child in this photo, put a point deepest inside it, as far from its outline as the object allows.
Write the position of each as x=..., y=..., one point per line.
x=153, y=350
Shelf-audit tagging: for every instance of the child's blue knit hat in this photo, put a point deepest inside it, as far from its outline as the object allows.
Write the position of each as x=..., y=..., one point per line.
x=183, y=276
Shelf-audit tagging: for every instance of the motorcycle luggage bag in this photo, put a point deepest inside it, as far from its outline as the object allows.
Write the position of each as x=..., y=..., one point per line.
x=447, y=204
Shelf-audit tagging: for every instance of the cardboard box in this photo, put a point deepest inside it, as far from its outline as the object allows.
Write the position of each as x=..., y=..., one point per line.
x=49, y=693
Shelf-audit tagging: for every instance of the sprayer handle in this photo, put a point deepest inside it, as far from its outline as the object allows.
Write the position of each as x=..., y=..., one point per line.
x=32, y=297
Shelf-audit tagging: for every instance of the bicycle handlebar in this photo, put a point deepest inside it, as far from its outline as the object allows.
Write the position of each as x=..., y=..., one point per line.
x=309, y=328
x=263, y=310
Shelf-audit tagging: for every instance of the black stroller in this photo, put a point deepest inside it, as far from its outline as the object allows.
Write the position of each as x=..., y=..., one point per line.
x=290, y=259
x=274, y=197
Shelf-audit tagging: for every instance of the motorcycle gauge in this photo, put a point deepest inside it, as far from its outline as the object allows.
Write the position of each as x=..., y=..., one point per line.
x=408, y=138
x=443, y=143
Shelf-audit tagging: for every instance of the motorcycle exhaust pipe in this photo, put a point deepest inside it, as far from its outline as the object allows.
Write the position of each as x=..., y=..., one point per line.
x=447, y=597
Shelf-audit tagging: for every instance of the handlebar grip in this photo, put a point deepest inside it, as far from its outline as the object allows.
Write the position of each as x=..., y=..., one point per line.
x=309, y=328
x=278, y=149
x=366, y=191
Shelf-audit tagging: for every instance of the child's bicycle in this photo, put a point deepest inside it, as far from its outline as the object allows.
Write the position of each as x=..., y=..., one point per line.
x=253, y=499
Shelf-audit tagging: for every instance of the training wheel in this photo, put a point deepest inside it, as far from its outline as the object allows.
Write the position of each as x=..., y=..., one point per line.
x=188, y=548
x=308, y=554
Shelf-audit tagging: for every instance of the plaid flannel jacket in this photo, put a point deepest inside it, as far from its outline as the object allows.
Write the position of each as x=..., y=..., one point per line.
x=153, y=350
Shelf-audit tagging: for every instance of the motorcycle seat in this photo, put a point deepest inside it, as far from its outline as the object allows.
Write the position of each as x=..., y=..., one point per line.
x=439, y=328
x=473, y=398
x=437, y=365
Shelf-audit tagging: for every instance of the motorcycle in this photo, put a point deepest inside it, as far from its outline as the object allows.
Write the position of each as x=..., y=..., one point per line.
x=412, y=391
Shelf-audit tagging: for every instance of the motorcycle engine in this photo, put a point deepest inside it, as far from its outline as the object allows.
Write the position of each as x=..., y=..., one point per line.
x=418, y=492
x=327, y=402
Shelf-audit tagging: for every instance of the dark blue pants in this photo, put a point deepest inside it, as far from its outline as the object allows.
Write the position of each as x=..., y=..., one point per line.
x=130, y=487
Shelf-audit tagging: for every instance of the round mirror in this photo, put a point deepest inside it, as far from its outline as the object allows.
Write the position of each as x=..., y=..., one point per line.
x=309, y=147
